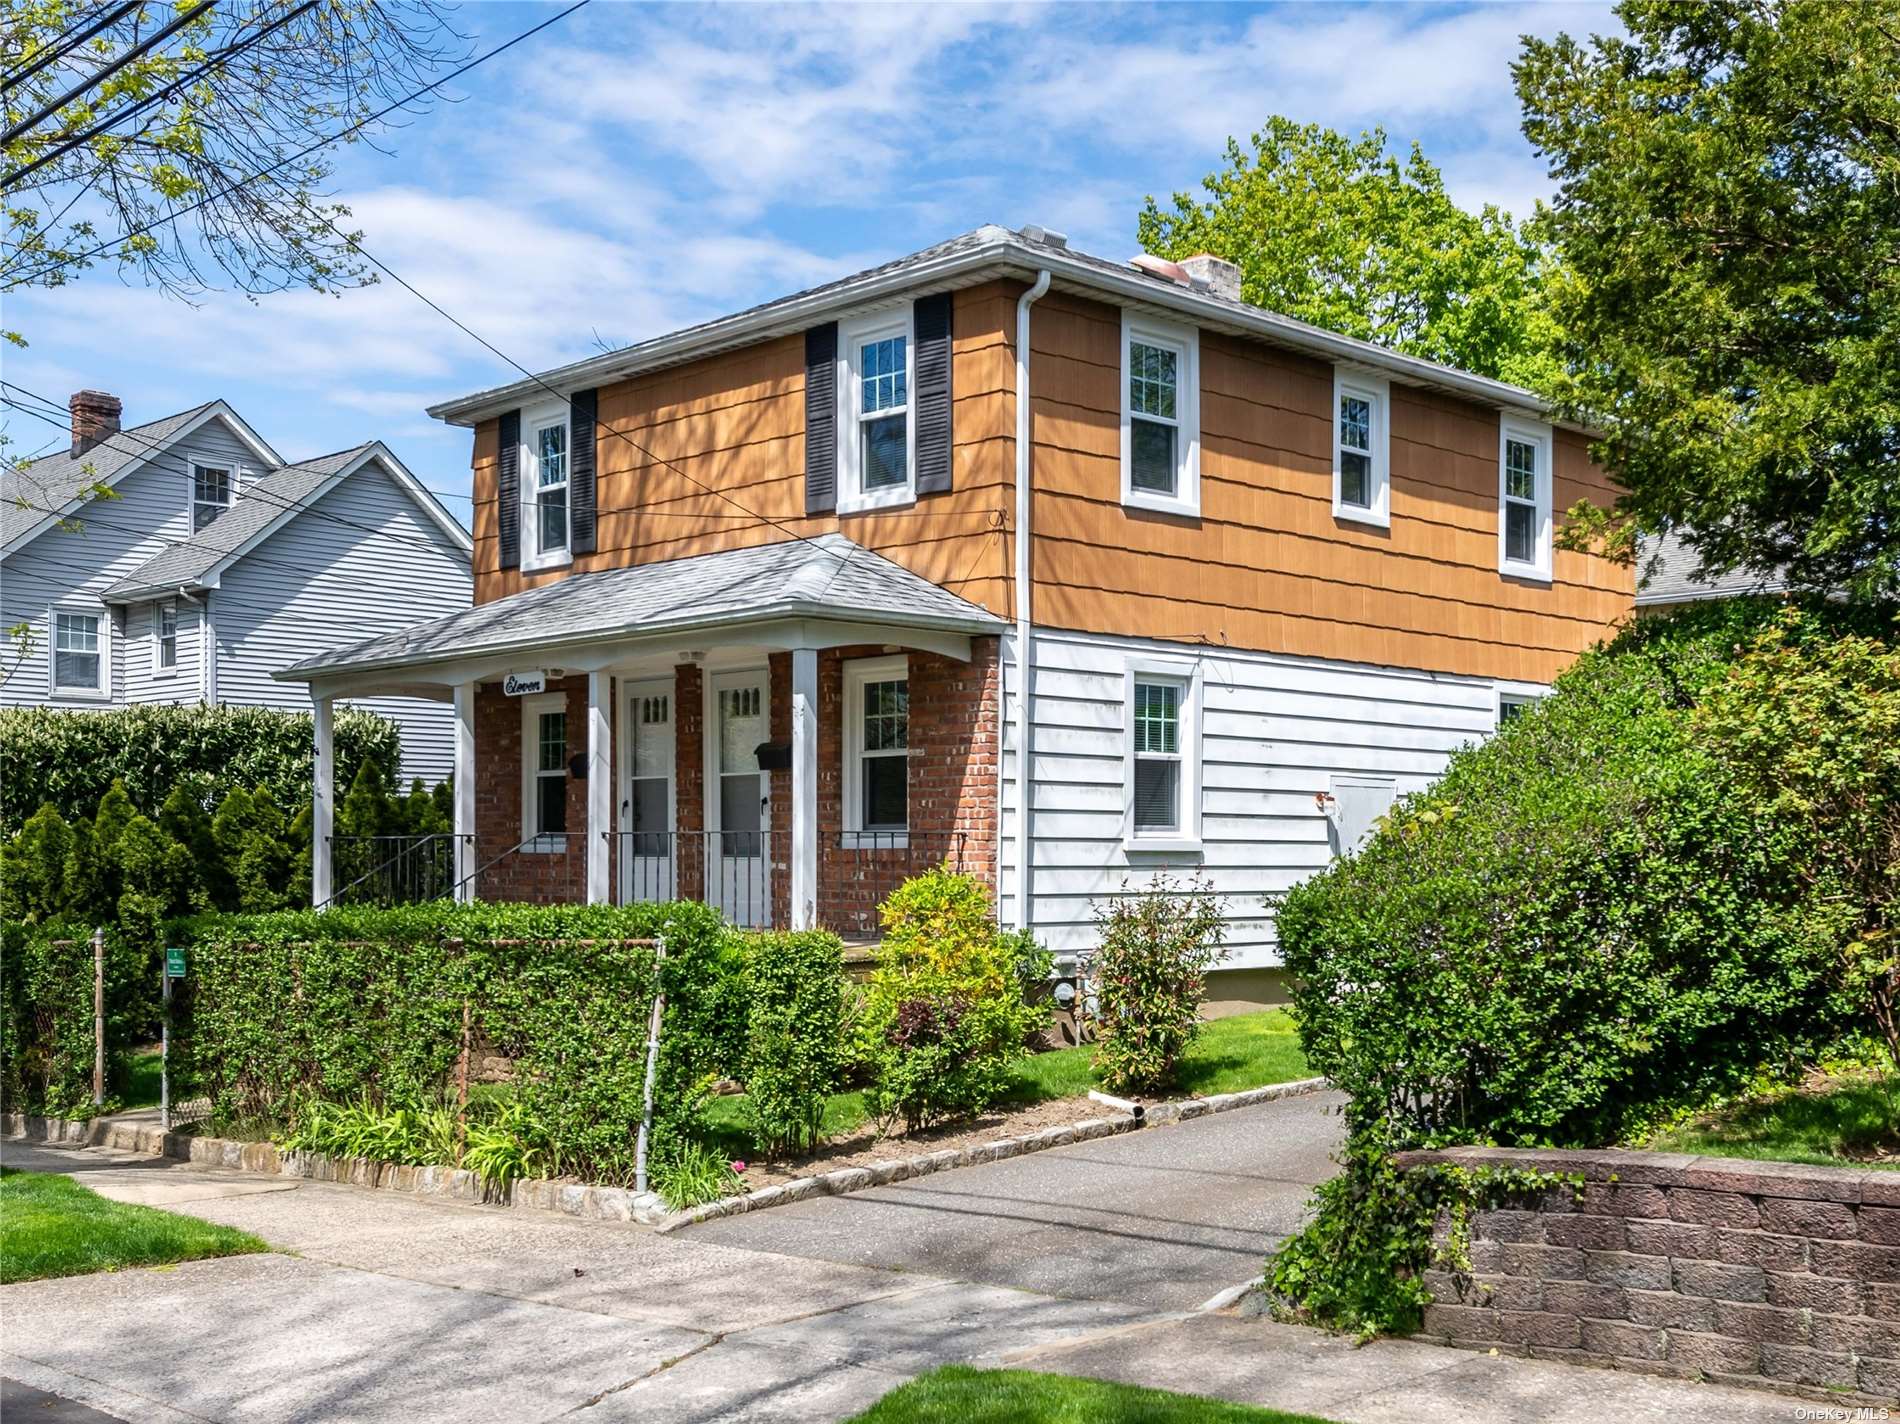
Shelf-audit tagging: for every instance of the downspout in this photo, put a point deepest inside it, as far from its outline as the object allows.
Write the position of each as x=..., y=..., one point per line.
x=1025, y=659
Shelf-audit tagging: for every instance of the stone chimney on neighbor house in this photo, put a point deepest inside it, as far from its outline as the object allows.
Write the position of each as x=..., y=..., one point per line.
x=1220, y=276
x=95, y=416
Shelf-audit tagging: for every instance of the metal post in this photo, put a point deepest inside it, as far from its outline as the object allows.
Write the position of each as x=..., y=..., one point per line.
x=165, y=1052
x=98, y=1017
x=653, y=1063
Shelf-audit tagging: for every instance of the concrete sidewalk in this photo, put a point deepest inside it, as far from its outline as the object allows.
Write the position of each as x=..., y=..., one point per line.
x=413, y=1309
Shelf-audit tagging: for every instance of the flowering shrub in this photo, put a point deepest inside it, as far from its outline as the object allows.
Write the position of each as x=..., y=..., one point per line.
x=947, y=1010
x=1149, y=977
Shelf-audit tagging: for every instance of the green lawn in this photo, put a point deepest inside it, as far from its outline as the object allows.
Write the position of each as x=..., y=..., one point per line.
x=957, y=1394
x=1243, y=1051
x=142, y=1079
x=52, y=1226
x=1847, y=1124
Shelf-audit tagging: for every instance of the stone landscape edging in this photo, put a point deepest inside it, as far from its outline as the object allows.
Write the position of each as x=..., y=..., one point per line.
x=616, y=1204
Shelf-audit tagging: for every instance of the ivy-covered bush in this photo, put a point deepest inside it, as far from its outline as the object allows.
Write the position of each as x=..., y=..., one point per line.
x=1148, y=979
x=1671, y=875
x=71, y=759
x=946, y=1011
x=46, y=1015
x=794, y=994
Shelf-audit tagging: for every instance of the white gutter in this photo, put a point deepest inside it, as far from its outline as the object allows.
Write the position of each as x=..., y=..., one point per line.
x=1025, y=658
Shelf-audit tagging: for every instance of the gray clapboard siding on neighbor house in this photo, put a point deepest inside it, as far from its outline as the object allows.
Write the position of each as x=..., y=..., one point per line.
x=146, y=679
x=317, y=583
x=1276, y=730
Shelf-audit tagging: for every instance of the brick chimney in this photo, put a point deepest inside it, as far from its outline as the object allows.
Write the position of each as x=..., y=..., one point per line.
x=1221, y=277
x=95, y=416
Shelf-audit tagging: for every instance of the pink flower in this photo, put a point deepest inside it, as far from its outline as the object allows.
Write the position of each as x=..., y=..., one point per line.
x=738, y=1166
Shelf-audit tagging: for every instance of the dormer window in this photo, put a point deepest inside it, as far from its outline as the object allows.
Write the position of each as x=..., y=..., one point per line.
x=545, y=471
x=877, y=436
x=210, y=493
x=1160, y=416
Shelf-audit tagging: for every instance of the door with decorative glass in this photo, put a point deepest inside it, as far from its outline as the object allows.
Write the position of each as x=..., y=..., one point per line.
x=738, y=801
x=648, y=855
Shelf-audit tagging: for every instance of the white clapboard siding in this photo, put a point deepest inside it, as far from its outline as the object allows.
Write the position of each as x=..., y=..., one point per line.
x=1276, y=731
x=354, y=584
x=145, y=680
x=106, y=540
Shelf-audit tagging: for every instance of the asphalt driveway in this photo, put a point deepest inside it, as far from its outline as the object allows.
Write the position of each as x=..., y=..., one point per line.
x=1166, y=1217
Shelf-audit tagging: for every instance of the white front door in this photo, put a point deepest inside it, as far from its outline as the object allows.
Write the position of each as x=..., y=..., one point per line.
x=648, y=853
x=738, y=800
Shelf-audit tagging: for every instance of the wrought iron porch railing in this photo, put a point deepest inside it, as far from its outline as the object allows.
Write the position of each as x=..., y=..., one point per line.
x=393, y=870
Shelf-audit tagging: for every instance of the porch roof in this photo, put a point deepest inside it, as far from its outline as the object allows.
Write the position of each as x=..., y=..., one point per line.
x=827, y=577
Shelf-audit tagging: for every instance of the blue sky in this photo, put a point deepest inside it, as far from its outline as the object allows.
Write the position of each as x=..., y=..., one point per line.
x=639, y=167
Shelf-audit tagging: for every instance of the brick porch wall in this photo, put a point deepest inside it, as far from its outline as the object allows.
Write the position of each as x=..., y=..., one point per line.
x=555, y=878
x=1764, y=1274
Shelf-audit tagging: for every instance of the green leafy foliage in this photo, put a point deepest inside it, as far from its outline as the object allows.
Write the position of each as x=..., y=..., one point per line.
x=1728, y=214
x=945, y=1014
x=393, y=1133
x=794, y=990
x=72, y=759
x=1338, y=232
x=1681, y=858
x=689, y=1173
x=1148, y=979
x=46, y=1014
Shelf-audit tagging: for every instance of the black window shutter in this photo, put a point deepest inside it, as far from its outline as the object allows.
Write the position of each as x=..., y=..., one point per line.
x=931, y=318
x=583, y=407
x=508, y=487
x=821, y=419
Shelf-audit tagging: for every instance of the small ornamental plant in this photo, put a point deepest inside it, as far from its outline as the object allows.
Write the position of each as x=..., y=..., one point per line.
x=1149, y=978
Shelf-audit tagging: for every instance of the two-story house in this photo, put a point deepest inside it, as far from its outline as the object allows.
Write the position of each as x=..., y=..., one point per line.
x=183, y=561
x=1068, y=570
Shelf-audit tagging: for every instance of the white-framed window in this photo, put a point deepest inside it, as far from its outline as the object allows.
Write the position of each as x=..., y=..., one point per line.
x=546, y=460
x=1517, y=698
x=80, y=651
x=165, y=638
x=212, y=489
x=1362, y=447
x=1161, y=415
x=877, y=434
x=1162, y=789
x=1525, y=478
x=877, y=752
x=544, y=772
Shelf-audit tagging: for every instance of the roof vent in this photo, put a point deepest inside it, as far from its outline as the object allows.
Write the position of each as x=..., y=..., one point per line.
x=1160, y=267
x=1047, y=236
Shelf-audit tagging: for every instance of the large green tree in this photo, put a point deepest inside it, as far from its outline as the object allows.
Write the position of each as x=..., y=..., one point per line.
x=1728, y=212
x=1339, y=232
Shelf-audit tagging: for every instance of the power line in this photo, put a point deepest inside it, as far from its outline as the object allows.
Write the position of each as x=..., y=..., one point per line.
x=59, y=46
x=111, y=69
x=217, y=61
x=303, y=152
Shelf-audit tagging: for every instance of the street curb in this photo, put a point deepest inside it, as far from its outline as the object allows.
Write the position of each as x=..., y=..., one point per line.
x=898, y=1169
x=615, y=1204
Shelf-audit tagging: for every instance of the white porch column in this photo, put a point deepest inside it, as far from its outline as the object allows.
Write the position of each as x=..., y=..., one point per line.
x=322, y=799
x=465, y=791
x=804, y=788
x=600, y=788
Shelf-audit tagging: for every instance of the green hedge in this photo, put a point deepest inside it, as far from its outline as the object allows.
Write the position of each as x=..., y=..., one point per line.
x=46, y=1015
x=71, y=759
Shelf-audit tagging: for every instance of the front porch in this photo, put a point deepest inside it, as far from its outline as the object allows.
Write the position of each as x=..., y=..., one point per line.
x=790, y=770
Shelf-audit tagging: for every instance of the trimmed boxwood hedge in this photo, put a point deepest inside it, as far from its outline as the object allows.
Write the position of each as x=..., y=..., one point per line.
x=71, y=759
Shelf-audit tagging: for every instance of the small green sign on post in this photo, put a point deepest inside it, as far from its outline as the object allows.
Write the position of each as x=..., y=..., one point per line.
x=174, y=963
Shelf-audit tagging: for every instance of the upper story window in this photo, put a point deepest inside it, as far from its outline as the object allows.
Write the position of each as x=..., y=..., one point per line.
x=1160, y=416
x=877, y=750
x=165, y=633
x=81, y=651
x=1362, y=446
x=544, y=772
x=1163, y=756
x=1524, y=499
x=877, y=439
x=545, y=469
x=210, y=493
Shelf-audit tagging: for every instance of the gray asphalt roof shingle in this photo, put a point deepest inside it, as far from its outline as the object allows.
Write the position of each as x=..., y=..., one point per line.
x=1669, y=571
x=259, y=505
x=53, y=481
x=828, y=576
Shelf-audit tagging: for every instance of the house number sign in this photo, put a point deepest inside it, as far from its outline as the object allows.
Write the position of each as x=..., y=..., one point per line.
x=520, y=684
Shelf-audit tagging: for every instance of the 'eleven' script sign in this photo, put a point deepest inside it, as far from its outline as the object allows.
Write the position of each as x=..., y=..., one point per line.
x=520, y=684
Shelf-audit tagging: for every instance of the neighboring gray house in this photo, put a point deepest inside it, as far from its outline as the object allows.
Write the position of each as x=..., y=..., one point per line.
x=1669, y=572
x=214, y=565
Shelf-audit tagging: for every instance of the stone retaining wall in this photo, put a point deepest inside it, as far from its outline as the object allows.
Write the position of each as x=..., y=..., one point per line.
x=1762, y=1274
